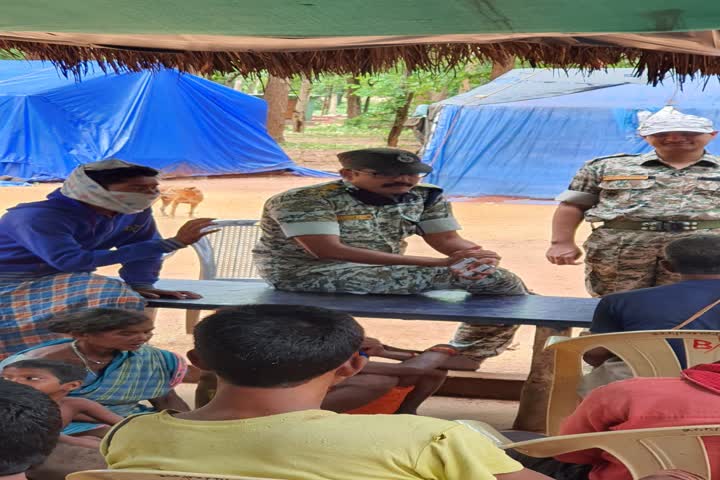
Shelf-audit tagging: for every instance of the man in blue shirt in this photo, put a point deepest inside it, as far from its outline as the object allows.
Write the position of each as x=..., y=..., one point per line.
x=697, y=259
x=101, y=216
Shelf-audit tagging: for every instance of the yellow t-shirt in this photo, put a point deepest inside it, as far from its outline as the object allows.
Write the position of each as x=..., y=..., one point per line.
x=308, y=445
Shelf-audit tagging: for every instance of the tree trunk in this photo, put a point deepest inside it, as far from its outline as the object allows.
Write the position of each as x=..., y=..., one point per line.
x=301, y=105
x=353, y=101
x=366, y=107
x=326, y=104
x=501, y=67
x=332, y=108
x=276, y=96
x=401, y=114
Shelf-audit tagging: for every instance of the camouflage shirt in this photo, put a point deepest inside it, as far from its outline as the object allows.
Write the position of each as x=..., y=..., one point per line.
x=330, y=209
x=641, y=187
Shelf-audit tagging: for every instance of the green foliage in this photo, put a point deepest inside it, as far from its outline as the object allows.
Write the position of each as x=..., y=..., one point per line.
x=391, y=90
x=12, y=54
x=387, y=92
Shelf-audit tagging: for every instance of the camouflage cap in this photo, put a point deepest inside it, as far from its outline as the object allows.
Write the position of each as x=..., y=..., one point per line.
x=384, y=160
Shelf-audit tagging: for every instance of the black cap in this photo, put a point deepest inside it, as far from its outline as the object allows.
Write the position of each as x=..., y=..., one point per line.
x=384, y=160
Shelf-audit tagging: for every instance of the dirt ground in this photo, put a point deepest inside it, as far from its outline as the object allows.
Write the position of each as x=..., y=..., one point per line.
x=519, y=232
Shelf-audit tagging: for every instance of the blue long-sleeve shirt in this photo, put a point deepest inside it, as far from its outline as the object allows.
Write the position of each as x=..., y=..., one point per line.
x=62, y=235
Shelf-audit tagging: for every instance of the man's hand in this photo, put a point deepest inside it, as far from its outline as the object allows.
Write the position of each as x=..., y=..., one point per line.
x=194, y=230
x=478, y=253
x=157, y=293
x=564, y=254
x=483, y=257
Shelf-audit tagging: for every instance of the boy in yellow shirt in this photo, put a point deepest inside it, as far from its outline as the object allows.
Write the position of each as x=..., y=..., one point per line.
x=275, y=364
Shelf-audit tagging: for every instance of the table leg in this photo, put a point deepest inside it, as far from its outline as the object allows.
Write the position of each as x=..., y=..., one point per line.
x=532, y=411
x=192, y=318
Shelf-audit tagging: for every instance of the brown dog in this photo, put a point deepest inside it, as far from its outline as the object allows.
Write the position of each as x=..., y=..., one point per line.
x=177, y=195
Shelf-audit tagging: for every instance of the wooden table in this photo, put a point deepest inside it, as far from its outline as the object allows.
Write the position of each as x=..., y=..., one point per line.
x=552, y=316
x=443, y=305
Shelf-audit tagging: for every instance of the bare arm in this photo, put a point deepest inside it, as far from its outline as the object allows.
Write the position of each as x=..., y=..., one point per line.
x=96, y=412
x=567, y=219
x=597, y=356
x=192, y=375
x=81, y=441
x=170, y=401
x=398, y=370
x=448, y=242
x=329, y=247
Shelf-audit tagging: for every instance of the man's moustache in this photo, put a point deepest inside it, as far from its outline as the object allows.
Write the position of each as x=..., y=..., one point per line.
x=397, y=184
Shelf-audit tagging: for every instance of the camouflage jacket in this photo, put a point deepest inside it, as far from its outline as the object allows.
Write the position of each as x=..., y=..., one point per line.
x=641, y=187
x=331, y=209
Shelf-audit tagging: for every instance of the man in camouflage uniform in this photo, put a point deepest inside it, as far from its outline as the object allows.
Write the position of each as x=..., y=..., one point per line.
x=641, y=203
x=349, y=236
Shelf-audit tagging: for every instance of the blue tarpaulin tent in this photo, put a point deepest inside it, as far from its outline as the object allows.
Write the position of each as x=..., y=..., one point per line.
x=178, y=123
x=526, y=133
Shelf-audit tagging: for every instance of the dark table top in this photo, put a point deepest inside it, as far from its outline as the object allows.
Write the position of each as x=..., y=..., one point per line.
x=450, y=306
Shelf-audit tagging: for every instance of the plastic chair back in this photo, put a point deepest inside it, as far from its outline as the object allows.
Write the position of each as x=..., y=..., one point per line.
x=643, y=451
x=227, y=254
x=647, y=353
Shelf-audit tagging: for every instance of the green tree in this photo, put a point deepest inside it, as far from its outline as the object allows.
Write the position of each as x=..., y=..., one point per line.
x=397, y=92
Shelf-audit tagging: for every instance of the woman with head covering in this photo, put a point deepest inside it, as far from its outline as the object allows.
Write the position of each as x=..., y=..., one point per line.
x=48, y=250
x=122, y=370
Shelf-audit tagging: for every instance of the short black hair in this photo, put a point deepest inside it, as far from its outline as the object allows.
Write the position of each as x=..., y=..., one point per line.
x=695, y=255
x=30, y=424
x=65, y=372
x=119, y=175
x=95, y=320
x=275, y=345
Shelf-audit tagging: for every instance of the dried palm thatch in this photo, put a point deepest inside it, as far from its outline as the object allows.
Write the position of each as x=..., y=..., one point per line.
x=655, y=56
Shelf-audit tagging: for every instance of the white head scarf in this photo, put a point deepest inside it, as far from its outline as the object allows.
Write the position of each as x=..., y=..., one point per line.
x=83, y=188
x=670, y=120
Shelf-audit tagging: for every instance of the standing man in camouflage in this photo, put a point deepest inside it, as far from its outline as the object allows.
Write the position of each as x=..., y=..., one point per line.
x=349, y=236
x=641, y=203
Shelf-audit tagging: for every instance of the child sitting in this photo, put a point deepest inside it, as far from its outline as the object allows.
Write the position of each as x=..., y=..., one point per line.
x=384, y=387
x=57, y=379
x=29, y=428
x=275, y=364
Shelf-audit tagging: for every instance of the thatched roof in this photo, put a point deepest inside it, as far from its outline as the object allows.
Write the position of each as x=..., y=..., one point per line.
x=358, y=36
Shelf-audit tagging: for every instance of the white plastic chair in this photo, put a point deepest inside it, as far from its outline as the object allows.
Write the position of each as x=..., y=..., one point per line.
x=643, y=451
x=647, y=353
x=226, y=255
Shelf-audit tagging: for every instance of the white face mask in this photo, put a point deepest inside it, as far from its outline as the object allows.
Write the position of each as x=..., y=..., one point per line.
x=133, y=202
x=81, y=187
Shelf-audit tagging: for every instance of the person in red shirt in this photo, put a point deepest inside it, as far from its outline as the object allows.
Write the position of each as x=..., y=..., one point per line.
x=691, y=399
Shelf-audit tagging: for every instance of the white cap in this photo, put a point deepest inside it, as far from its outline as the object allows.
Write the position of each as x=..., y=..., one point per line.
x=670, y=120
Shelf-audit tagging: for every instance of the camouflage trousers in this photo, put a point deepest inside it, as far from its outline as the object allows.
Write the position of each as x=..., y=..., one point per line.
x=477, y=341
x=619, y=260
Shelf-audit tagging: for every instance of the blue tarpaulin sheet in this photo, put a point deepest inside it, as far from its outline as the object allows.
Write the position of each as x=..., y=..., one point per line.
x=526, y=133
x=178, y=123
